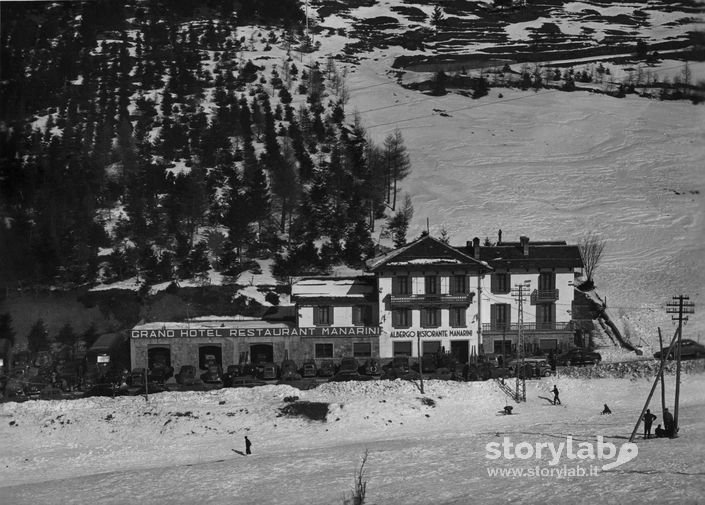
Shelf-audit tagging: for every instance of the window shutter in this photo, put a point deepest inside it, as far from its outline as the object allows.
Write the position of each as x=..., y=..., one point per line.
x=445, y=285
x=493, y=315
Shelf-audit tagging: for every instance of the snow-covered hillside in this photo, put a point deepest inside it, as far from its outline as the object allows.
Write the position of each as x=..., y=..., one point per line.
x=184, y=448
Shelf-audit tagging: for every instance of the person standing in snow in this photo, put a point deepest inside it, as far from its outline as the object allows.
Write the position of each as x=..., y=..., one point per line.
x=556, y=400
x=248, y=444
x=668, y=422
x=649, y=419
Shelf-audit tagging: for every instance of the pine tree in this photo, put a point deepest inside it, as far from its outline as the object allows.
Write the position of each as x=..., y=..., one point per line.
x=38, y=337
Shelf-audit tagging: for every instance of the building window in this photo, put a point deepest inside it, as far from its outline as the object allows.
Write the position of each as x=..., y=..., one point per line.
x=323, y=315
x=500, y=283
x=457, y=317
x=362, y=315
x=362, y=349
x=401, y=285
x=545, y=316
x=502, y=347
x=401, y=348
x=401, y=318
x=458, y=285
x=430, y=318
x=430, y=347
x=547, y=281
x=500, y=316
x=432, y=285
x=323, y=350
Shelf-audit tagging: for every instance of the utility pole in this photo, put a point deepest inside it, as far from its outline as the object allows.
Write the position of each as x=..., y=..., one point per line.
x=418, y=353
x=679, y=306
x=519, y=293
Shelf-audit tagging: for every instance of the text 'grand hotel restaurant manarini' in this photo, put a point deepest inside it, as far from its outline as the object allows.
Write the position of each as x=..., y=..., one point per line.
x=459, y=300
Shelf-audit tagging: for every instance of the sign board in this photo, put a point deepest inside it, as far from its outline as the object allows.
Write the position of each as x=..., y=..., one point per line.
x=434, y=333
x=103, y=358
x=320, y=331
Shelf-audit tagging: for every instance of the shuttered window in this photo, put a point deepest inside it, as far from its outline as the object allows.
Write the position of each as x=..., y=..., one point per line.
x=401, y=285
x=362, y=349
x=432, y=285
x=323, y=315
x=458, y=285
x=430, y=318
x=362, y=315
x=457, y=317
x=500, y=316
x=500, y=283
x=401, y=318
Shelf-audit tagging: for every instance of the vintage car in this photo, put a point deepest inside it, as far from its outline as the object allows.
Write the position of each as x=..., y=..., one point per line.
x=690, y=349
x=326, y=369
x=578, y=356
x=268, y=371
x=371, y=367
x=533, y=367
x=289, y=371
x=309, y=368
x=213, y=374
x=186, y=375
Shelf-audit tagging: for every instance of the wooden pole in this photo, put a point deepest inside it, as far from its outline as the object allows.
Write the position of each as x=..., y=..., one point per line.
x=663, y=386
x=653, y=387
x=674, y=434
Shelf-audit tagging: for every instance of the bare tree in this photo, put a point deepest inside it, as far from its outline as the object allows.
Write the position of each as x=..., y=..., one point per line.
x=591, y=247
x=360, y=489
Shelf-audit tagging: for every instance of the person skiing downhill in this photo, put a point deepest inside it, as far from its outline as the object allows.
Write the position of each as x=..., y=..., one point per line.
x=556, y=400
x=248, y=444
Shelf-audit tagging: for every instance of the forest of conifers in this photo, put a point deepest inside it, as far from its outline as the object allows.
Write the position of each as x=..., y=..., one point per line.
x=139, y=139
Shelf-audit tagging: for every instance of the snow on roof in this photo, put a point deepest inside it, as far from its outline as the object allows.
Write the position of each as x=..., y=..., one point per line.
x=423, y=261
x=356, y=287
x=228, y=322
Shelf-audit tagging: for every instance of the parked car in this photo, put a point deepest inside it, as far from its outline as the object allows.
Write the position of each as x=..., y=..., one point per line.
x=213, y=374
x=309, y=368
x=136, y=377
x=326, y=369
x=690, y=349
x=533, y=367
x=398, y=363
x=186, y=375
x=268, y=371
x=371, y=367
x=289, y=371
x=578, y=356
x=348, y=365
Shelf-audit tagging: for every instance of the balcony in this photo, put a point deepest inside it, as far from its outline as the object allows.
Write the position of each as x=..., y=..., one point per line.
x=532, y=327
x=423, y=300
x=544, y=296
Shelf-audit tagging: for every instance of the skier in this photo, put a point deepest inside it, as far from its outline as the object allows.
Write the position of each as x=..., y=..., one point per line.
x=668, y=422
x=606, y=410
x=556, y=400
x=248, y=444
x=649, y=419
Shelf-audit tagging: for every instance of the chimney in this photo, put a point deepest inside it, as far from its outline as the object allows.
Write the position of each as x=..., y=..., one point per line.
x=524, y=241
x=476, y=248
x=499, y=238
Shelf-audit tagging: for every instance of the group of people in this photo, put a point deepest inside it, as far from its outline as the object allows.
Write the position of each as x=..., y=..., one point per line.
x=669, y=425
